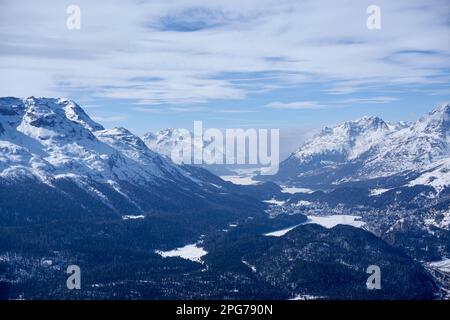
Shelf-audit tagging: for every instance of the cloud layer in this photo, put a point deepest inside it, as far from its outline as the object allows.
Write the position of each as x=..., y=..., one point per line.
x=197, y=51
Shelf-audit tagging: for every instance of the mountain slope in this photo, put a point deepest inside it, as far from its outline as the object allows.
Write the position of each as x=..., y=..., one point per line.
x=369, y=149
x=413, y=148
x=166, y=140
x=52, y=147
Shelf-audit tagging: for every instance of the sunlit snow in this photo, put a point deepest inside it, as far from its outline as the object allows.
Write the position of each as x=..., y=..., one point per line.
x=280, y=233
x=274, y=201
x=189, y=252
x=327, y=222
x=334, y=220
x=237, y=179
x=443, y=265
x=377, y=192
x=293, y=190
x=130, y=217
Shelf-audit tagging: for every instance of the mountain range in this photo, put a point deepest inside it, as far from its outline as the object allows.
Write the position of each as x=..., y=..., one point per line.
x=396, y=176
x=375, y=152
x=58, y=152
x=73, y=192
x=166, y=140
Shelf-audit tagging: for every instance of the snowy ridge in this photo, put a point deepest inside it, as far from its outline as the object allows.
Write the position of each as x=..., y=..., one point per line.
x=436, y=175
x=51, y=141
x=193, y=252
x=166, y=140
x=51, y=138
x=163, y=141
x=370, y=148
x=423, y=143
x=346, y=141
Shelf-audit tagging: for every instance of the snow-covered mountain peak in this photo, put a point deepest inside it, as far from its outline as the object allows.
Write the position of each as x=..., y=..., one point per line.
x=51, y=138
x=53, y=146
x=354, y=128
x=169, y=134
x=54, y=121
x=396, y=126
x=149, y=136
x=370, y=148
x=47, y=118
x=443, y=109
x=164, y=141
x=119, y=133
x=435, y=122
x=345, y=141
x=366, y=123
x=75, y=113
x=124, y=135
x=127, y=142
x=136, y=150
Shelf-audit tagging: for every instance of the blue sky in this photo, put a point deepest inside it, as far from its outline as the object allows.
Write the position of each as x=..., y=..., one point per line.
x=294, y=65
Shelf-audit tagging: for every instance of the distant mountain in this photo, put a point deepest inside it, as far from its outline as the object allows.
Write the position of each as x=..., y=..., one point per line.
x=369, y=149
x=166, y=140
x=52, y=153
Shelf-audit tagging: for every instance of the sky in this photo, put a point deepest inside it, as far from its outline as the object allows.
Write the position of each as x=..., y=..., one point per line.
x=293, y=65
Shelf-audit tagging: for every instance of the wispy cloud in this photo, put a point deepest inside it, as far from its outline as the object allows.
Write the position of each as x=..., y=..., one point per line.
x=146, y=110
x=369, y=100
x=335, y=103
x=298, y=105
x=164, y=52
x=235, y=111
x=189, y=109
x=109, y=118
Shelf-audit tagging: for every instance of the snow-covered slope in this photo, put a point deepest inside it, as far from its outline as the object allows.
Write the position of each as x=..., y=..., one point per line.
x=370, y=148
x=54, y=138
x=164, y=141
x=167, y=140
x=416, y=147
x=133, y=148
x=344, y=142
x=436, y=175
x=51, y=146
